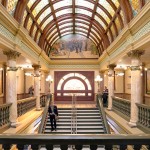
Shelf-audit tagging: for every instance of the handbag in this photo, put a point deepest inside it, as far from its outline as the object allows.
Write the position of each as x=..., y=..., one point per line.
x=56, y=117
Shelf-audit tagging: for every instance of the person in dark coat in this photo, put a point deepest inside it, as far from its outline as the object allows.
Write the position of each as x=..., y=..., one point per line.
x=53, y=113
x=105, y=96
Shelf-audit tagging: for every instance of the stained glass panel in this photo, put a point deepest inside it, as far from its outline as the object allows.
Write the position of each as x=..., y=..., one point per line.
x=63, y=21
x=135, y=6
x=118, y=24
x=66, y=24
x=95, y=33
x=85, y=4
x=116, y=3
x=107, y=6
x=55, y=40
x=100, y=22
x=38, y=37
x=81, y=29
x=113, y=31
x=47, y=22
x=102, y=13
x=64, y=11
x=39, y=6
x=56, y=34
x=109, y=37
x=83, y=11
x=81, y=21
x=81, y=24
x=65, y=29
x=30, y=3
x=63, y=34
x=11, y=6
x=34, y=31
x=43, y=15
x=94, y=37
x=62, y=4
x=55, y=30
x=30, y=21
x=24, y=16
x=121, y=13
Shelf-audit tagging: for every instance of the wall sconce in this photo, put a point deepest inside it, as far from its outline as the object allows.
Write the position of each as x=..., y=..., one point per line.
x=50, y=80
x=98, y=79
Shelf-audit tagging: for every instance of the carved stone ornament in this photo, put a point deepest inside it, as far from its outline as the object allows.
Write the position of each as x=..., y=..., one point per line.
x=36, y=70
x=12, y=69
x=111, y=70
x=11, y=54
x=135, y=53
x=134, y=68
x=111, y=66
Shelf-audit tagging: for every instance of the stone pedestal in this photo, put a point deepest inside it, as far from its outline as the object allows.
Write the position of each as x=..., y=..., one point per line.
x=11, y=84
x=37, y=85
x=136, y=85
x=110, y=85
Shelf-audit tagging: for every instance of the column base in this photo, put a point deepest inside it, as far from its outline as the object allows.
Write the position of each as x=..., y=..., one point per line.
x=14, y=124
x=132, y=124
x=109, y=108
x=38, y=109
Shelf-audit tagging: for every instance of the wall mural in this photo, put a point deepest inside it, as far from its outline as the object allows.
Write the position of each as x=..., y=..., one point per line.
x=74, y=46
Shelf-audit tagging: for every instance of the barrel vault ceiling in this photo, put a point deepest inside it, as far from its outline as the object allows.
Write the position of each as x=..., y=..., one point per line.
x=49, y=20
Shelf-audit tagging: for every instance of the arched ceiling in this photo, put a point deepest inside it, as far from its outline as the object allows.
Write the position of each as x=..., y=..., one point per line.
x=49, y=20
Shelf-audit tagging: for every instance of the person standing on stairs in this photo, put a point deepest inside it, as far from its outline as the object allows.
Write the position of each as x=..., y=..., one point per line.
x=53, y=113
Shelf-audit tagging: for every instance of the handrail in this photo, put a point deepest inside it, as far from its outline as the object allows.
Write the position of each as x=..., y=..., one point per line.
x=73, y=116
x=107, y=140
x=44, y=115
x=99, y=100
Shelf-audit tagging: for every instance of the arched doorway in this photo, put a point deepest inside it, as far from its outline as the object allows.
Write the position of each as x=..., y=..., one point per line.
x=80, y=83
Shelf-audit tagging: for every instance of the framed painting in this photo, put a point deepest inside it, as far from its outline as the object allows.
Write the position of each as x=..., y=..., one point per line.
x=148, y=81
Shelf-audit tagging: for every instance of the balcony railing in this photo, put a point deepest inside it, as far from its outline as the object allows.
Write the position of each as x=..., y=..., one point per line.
x=4, y=114
x=122, y=106
x=107, y=141
x=144, y=116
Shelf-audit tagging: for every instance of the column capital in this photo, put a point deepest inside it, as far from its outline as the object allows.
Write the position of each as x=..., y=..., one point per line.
x=36, y=67
x=135, y=53
x=111, y=66
x=36, y=70
x=11, y=55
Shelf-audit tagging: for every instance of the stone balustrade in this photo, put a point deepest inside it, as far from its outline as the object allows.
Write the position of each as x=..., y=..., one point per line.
x=4, y=114
x=144, y=115
x=122, y=106
x=48, y=142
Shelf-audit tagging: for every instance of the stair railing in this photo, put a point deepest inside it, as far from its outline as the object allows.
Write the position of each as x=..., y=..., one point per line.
x=74, y=116
x=41, y=127
x=100, y=105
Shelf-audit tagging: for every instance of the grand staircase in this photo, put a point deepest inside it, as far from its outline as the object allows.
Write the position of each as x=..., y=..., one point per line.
x=77, y=121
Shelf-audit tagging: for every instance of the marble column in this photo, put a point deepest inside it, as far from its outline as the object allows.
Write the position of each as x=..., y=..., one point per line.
x=136, y=85
x=37, y=85
x=11, y=84
x=110, y=85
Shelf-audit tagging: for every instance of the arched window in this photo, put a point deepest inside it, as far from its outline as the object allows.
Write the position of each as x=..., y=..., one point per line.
x=70, y=83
